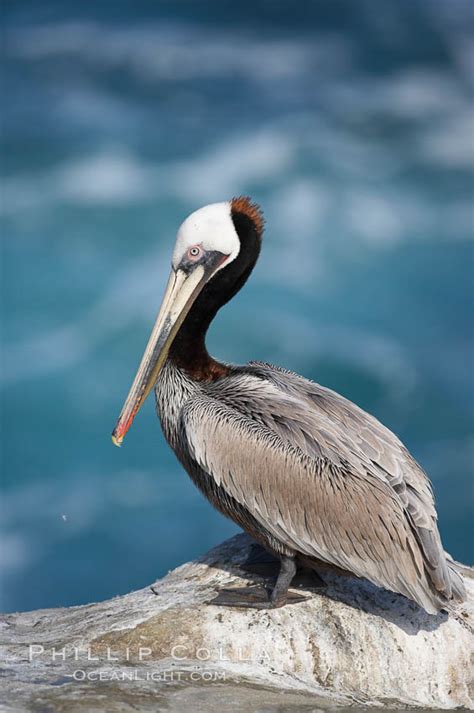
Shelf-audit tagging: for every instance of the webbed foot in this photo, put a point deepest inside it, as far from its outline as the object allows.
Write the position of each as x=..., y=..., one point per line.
x=254, y=597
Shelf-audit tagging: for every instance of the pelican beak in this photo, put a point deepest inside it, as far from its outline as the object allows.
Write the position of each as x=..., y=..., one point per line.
x=183, y=287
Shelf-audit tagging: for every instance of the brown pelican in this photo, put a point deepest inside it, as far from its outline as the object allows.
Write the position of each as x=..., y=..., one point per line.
x=308, y=474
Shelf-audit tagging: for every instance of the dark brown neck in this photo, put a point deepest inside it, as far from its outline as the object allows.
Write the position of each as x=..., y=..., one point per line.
x=188, y=351
x=191, y=356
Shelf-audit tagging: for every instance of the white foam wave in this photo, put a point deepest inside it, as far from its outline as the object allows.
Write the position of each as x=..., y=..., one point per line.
x=303, y=216
x=109, y=176
x=168, y=51
x=451, y=143
x=245, y=160
x=114, y=176
x=410, y=94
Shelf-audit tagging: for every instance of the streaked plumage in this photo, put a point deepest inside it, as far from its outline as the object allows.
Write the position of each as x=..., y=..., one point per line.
x=306, y=472
x=313, y=475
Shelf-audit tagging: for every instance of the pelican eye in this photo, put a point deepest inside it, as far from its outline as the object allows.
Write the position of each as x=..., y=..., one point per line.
x=194, y=252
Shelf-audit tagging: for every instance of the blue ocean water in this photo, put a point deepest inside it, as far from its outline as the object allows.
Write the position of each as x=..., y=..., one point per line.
x=354, y=130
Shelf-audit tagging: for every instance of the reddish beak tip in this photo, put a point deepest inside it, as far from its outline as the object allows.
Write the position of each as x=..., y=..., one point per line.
x=121, y=428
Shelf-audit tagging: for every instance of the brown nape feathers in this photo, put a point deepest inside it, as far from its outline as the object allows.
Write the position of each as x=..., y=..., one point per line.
x=245, y=205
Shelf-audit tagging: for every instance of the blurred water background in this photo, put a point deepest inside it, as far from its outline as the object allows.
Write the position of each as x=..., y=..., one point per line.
x=351, y=122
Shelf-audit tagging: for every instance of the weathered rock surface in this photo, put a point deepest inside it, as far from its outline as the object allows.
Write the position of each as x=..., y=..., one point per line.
x=348, y=644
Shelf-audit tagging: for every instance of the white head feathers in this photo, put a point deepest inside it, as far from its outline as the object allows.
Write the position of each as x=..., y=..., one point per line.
x=212, y=228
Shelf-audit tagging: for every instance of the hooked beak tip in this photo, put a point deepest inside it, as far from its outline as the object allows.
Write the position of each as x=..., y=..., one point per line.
x=117, y=440
x=123, y=424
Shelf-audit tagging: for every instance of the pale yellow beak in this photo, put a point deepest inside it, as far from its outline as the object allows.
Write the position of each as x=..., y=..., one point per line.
x=181, y=292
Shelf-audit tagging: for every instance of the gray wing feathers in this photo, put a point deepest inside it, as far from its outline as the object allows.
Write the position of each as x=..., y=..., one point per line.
x=330, y=479
x=365, y=443
x=352, y=519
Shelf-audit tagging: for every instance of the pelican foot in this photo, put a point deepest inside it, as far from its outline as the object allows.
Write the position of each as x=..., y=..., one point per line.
x=253, y=597
x=264, y=564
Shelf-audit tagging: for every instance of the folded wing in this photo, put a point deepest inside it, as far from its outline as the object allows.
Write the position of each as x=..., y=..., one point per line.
x=339, y=494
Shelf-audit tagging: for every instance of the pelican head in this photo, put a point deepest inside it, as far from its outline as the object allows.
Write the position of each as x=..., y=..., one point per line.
x=218, y=240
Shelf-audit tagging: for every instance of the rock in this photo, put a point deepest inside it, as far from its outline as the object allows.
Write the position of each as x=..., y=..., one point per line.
x=348, y=643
